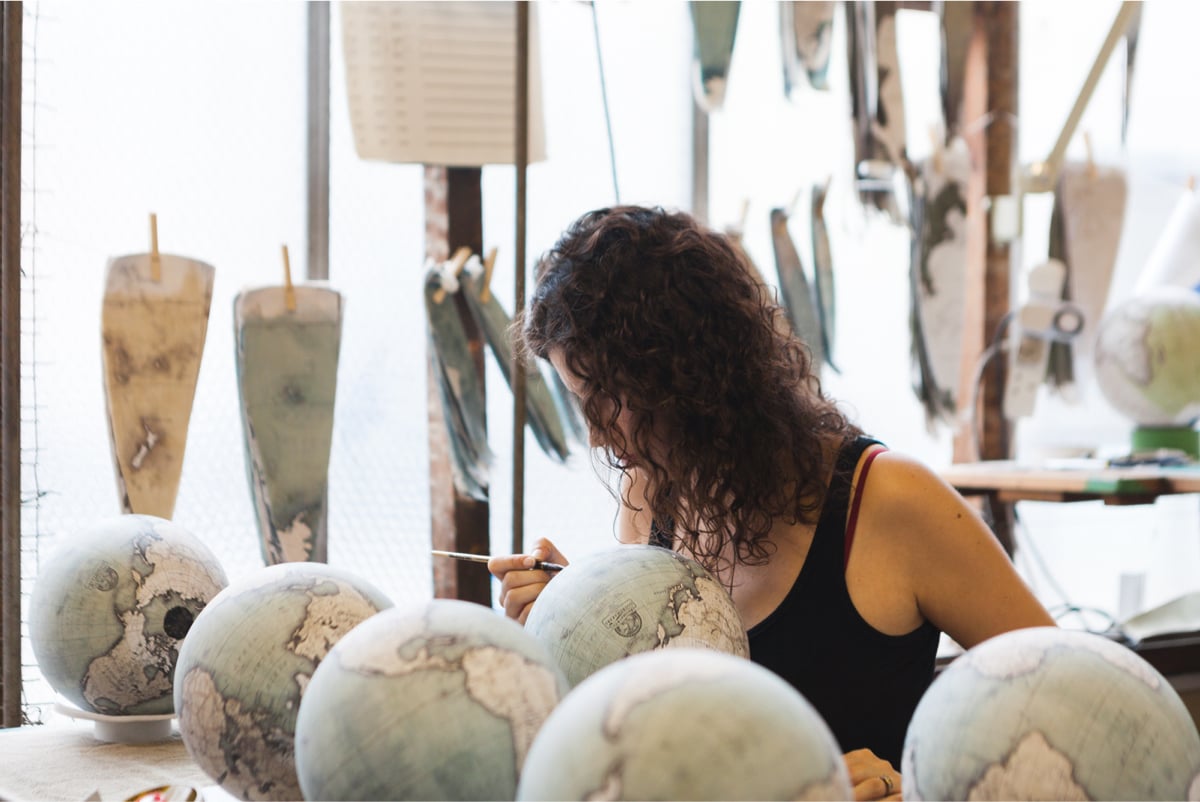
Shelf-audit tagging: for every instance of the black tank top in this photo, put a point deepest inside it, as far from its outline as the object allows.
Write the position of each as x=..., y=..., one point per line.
x=864, y=683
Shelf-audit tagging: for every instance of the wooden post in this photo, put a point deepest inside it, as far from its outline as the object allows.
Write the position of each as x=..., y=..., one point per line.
x=454, y=218
x=10, y=364
x=989, y=117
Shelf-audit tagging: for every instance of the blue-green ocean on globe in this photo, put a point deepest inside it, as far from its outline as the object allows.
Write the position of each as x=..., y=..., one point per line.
x=630, y=599
x=111, y=607
x=247, y=662
x=684, y=724
x=1048, y=713
x=436, y=700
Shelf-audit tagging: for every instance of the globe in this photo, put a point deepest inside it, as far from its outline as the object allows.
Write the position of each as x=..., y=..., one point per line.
x=110, y=608
x=1148, y=358
x=684, y=724
x=1047, y=713
x=439, y=700
x=247, y=662
x=631, y=599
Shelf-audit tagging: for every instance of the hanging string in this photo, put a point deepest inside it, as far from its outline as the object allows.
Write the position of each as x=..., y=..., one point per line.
x=612, y=153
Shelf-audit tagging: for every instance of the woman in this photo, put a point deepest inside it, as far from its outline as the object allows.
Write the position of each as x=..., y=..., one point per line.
x=697, y=392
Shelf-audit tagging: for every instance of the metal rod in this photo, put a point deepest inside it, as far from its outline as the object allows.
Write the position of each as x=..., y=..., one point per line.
x=521, y=160
x=1043, y=175
x=11, y=18
x=700, y=154
x=317, y=266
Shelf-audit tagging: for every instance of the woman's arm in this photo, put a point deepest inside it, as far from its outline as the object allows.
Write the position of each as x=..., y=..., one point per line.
x=918, y=534
x=520, y=583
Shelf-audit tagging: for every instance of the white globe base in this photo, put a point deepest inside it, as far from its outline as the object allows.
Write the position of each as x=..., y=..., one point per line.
x=121, y=729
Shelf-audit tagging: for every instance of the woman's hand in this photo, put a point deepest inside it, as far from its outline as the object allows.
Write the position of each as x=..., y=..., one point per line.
x=871, y=776
x=520, y=584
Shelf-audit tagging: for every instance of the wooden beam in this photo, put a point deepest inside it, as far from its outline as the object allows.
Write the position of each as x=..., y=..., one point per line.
x=989, y=123
x=453, y=219
x=10, y=364
x=1002, y=176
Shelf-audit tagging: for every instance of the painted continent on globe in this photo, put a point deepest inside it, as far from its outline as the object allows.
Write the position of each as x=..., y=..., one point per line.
x=439, y=701
x=632, y=599
x=684, y=724
x=1046, y=713
x=109, y=612
x=249, y=660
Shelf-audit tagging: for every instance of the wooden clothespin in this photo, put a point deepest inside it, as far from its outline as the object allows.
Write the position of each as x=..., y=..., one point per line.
x=289, y=291
x=155, y=261
x=455, y=266
x=819, y=206
x=489, y=264
x=1091, y=160
x=1191, y=183
x=937, y=150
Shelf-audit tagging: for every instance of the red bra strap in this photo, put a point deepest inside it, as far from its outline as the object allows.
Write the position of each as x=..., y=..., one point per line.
x=852, y=521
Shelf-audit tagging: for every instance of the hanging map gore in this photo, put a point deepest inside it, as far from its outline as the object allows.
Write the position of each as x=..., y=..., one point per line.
x=937, y=278
x=459, y=386
x=287, y=362
x=877, y=105
x=957, y=23
x=154, y=321
x=1085, y=234
x=542, y=411
x=797, y=292
x=807, y=31
x=1173, y=260
x=715, y=27
x=1132, y=33
x=823, y=273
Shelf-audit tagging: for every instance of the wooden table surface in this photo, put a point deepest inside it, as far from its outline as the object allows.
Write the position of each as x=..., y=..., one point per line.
x=1012, y=481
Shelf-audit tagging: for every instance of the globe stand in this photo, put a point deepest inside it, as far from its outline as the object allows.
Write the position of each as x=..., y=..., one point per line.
x=1182, y=438
x=122, y=729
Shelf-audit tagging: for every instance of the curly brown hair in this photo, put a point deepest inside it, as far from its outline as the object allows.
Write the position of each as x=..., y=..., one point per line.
x=659, y=314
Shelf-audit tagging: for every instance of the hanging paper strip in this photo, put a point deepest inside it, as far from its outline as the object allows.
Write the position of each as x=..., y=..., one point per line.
x=154, y=321
x=1175, y=259
x=957, y=23
x=807, y=32
x=938, y=277
x=459, y=386
x=797, y=293
x=542, y=411
x=715, y=26
x=287, y=361
x=823, y=274
x=1088, y=216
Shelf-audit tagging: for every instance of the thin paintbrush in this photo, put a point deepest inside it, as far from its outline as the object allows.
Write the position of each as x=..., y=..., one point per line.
x=540, y=565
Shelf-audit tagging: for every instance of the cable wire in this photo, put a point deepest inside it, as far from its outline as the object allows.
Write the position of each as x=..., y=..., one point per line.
x=612, y=152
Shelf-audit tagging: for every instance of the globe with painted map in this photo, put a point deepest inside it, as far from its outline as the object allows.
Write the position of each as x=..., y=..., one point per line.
x=630, y=599
x=1148, y=357
x=684, y=724
x=246, y=664
x=438, y=700
x=1047, y=713
x=110, y=610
